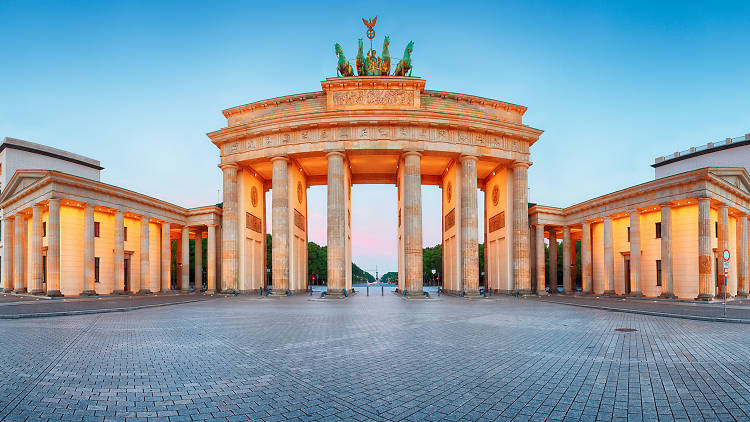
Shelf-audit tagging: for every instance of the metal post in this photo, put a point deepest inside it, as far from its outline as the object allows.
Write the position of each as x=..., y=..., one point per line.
x=381, y=290
x=725, y=295
x=368, y=289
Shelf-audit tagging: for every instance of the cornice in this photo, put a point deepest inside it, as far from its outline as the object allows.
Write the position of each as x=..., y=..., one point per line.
x=229, y=112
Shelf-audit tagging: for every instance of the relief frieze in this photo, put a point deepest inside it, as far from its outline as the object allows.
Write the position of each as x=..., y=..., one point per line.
x=373, y=97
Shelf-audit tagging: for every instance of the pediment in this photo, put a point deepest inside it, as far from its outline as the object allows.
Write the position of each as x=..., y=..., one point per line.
x=736, y=177
x=19, y=182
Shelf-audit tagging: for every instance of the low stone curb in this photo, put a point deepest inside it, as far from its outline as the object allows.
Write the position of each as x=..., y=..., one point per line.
x=652, y=313
x=93, y=311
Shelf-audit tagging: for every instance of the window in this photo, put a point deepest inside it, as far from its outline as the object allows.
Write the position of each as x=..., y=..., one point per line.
x=96, y=229
x=716, y=229
x=658, y=272
x=628, y=234
x=44, y=229
x=658, y=230
x=96, y=270
x=125, y=234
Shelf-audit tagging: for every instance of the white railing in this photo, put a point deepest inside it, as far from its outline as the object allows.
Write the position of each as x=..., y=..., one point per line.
x=709, y=145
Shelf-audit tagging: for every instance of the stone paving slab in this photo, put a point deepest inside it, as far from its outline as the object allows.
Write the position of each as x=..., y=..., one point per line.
x=373, y=358
x=737, y=310
x=27, y=307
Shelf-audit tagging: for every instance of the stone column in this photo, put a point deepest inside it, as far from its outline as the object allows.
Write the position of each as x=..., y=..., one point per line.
x=742, y=256
x=705, y=282
x=336, y=224
x=8, y=253
x=635, y=254
x=198, y=282
x=586, y=281
x=412, y=221
x=667, y=278
x=211, y=258
x=88, y=251
x=37, y=267
x=280, y=226
x=469, y=223
x=53, y=249
x=166, y=258
x=723, y=244
x=567, y=281
x=522, y=282
x=18, y=261
x=119, y=253
x=145, y=261
x=229, y=233
x=541, y=288
x=185, y=250
x=552, y=261
x=609, y=259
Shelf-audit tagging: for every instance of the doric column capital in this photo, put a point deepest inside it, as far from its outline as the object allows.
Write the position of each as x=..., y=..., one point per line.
x=467, y=157
x=280, y=158
x=228, y=166
x=526, y=164
x=337, y=153
x=411, y=153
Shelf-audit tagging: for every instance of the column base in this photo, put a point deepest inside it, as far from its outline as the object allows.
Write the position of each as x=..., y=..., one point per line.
x=22, y=290
x=334, y=293
x=119, y=292
x=144, y=292
x=54, y=293
x=524, y=293
x=89, y=293
x=36, y=292
x=635, y=294
x=281, y=293
x=210, y=291
x=667, y=296
x=467, y=293
x=742, y=295
x=542, y=293
x=608, y=293
x=7, y=290
x=705, y=296
x=721, y=295
x=225, y=291
x=417, y=293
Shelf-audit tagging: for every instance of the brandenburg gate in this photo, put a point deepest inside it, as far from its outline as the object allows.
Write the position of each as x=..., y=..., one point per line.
x=385, y=130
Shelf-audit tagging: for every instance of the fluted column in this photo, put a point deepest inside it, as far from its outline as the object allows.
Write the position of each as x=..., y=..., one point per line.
x=667, y=277
x=229, y=233
x=705, y=282
x=280, y=226
x=185, y=250
x=541, y=288
x=166, y=258
x=742, y=256
x=336, y=224
x=521, y=279
x=8, y=253
x=586, y=281
x=567, y=283
x=211, y=259
x=35, y=256
x=469, y=227
x=552, y=261
x=119, y=253
x=723, y=244
x=609, y=258
x=635, y=254
x=145, y=261
x=412, y=221
x=88, y=251
x=198, y=282
x=18, y=261
x=53, y=249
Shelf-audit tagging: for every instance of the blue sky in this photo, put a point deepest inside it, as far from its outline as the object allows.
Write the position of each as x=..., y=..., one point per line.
x=613, y=84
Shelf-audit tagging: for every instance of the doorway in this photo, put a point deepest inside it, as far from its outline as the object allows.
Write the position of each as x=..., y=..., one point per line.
x=126, y=285
x=627, y=275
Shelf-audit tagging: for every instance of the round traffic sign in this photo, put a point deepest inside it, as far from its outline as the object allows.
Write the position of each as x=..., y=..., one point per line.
x=726, y=254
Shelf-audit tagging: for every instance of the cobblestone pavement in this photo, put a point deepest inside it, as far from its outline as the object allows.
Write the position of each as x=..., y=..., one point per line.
x=372, y=358
x=736, y=309
x=11, y=305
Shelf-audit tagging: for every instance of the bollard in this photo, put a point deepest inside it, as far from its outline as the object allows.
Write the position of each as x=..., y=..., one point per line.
x=368, y=290
x=381, y=290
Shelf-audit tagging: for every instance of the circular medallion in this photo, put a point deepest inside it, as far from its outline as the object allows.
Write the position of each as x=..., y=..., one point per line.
x=495, y=195
x=254, y=196
x=299, y=192
x=449, y=191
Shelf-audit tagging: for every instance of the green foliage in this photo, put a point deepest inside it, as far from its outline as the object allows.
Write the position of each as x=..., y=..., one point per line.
x=317, y=262
x=361, y=276
x=390, y=277
x=432, y=259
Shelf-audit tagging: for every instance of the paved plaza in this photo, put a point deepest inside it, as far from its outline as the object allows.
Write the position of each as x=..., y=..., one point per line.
x=372, y=358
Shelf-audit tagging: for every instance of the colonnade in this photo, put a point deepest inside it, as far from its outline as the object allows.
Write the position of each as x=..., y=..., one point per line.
x=708, y=287
x=19, y=257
